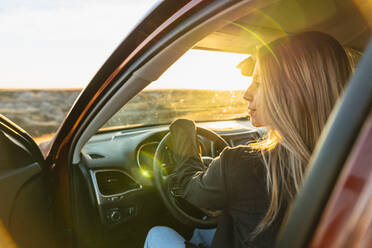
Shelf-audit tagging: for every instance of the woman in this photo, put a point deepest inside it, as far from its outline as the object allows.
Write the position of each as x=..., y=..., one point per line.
x=296, y=82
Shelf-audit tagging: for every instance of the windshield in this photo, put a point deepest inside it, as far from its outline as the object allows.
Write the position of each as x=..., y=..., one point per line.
x=201, y=86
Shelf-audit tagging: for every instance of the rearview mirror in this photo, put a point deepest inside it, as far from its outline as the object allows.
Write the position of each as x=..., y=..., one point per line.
x=247, y=66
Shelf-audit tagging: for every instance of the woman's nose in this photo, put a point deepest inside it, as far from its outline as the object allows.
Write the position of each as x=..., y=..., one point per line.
x=249, y=93
x=248, y=96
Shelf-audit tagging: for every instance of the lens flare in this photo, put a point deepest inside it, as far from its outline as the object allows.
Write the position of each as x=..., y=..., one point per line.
x=255, y=35
x=273, y=22
x=365, y=8
x=146, y=173
x=5, y=239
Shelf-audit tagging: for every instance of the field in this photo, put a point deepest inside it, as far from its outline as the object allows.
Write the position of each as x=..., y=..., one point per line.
x=162, y=106
x=40, y=112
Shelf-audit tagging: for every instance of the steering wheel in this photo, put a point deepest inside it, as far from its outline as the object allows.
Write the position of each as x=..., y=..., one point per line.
x=165, y=183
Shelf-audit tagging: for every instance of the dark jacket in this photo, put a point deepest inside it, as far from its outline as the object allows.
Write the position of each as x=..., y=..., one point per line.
x=234, y=182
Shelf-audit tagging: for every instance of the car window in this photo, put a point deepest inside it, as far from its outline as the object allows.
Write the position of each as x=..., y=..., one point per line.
x=51, y=49
x=210, y=89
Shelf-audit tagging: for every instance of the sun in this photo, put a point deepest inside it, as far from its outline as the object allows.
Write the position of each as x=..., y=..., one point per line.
x=210, y=70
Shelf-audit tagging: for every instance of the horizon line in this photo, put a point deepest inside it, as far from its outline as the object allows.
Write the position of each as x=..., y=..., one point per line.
x=24, y=89
x=51, y=89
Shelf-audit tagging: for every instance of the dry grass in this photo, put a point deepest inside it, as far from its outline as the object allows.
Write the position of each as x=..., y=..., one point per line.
x=40, y=112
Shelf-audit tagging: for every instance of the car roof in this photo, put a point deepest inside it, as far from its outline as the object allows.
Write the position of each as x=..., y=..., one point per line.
x=339, y=18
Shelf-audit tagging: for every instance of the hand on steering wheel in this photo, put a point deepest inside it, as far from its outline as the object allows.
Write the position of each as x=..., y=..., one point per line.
x=165, y=183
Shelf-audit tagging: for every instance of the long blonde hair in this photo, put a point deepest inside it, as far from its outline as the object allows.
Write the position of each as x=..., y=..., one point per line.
x=302, y=76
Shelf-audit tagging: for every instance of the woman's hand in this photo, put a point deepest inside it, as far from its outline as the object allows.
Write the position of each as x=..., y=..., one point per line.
x=184, y=141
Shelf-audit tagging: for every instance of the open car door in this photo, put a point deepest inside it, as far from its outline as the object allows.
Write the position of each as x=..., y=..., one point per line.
x=24, y=209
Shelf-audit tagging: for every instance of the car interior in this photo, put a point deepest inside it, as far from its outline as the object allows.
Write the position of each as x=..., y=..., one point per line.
x=115, y=193
x=130, y=206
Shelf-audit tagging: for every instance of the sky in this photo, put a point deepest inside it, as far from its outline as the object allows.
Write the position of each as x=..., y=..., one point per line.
x=63, y=43
x=205, y=70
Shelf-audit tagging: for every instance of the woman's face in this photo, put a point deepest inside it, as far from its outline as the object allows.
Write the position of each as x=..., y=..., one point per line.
x=253, y=95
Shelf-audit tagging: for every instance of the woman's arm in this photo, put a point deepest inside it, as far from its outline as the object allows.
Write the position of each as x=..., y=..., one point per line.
x=203, y=187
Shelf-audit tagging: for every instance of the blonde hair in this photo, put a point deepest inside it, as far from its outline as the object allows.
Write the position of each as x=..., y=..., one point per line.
x=302, y=76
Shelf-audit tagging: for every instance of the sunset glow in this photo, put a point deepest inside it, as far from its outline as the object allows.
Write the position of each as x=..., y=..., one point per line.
x=198, y=69
x=62, y=44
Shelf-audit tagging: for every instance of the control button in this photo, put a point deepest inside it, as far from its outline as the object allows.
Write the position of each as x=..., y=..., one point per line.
x=114, y=215
x=131, y=211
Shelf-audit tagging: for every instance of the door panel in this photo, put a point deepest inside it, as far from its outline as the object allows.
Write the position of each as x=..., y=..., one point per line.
x=11, y=181
x=24, y=208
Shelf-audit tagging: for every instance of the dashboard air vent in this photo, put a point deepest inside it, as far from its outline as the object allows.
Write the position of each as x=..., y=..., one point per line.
x=114, y=182
x=95, y=155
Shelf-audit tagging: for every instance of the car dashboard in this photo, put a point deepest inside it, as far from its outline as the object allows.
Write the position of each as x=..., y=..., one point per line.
x=117, y=169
